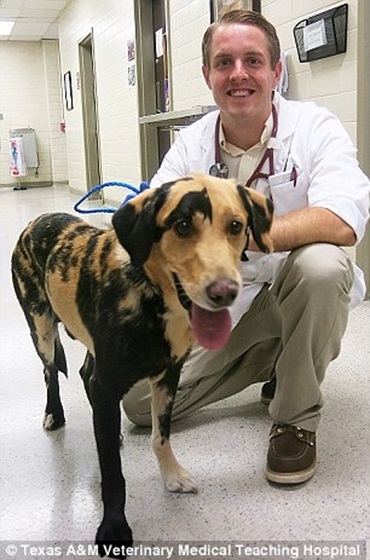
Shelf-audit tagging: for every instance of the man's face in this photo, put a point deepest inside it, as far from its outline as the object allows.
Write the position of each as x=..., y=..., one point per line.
x=240, y=74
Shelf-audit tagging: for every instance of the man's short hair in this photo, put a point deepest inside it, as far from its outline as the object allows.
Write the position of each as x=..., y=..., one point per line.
x=244, y=17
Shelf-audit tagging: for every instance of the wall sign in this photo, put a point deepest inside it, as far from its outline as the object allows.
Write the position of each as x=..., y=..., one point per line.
x=217, y=7
x=68, y=93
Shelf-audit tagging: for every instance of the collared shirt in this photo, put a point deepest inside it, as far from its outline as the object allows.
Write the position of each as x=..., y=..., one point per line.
x=241, y=163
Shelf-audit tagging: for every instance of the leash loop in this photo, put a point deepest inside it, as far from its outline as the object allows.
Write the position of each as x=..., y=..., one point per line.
x=108, y=209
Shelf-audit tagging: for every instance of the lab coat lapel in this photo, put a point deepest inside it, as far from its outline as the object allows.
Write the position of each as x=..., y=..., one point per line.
x=207, y=141
x=288, y=117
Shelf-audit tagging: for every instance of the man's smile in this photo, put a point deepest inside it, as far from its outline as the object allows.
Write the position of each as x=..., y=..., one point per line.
x=241, y=92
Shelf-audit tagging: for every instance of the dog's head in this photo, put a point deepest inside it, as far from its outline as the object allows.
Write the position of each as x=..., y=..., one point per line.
x=146, y=218
x=196, y=229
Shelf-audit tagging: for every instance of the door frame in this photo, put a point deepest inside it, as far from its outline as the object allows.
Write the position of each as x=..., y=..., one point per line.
x=363, y=122
x=145, y=56
x=89, y=103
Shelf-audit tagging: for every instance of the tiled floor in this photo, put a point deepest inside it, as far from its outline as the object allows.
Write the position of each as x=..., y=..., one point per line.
x=50, y=489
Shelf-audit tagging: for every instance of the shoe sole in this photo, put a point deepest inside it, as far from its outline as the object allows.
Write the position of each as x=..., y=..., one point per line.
x=293, y=477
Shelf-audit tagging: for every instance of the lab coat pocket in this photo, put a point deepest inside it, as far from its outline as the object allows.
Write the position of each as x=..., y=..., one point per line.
x=288, y=192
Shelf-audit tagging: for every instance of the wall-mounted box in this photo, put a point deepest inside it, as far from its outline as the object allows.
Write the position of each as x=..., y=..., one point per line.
x=322, y=35
x=29, y=142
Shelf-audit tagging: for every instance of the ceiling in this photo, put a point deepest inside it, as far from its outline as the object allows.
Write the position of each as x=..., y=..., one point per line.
x=34, y=19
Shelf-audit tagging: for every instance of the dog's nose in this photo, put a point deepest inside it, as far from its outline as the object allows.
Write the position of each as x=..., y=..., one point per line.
x=222, y=292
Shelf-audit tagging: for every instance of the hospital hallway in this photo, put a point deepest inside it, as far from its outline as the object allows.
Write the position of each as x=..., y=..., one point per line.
x=50, y=485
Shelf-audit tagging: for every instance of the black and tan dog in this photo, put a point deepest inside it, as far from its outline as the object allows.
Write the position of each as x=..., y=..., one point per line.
x=136, y=296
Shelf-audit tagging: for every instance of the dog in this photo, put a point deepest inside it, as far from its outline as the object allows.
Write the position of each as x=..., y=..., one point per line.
x=137, y=295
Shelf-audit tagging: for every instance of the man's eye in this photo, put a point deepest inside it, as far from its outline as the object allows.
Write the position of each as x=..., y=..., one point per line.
x=235, y=227
x=222, y=63
x=183, y=228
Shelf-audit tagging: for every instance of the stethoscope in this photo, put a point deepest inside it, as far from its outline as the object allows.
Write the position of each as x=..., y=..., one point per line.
x=220, y=169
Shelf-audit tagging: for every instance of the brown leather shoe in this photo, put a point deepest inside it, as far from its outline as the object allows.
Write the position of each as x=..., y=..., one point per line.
x=291, y=457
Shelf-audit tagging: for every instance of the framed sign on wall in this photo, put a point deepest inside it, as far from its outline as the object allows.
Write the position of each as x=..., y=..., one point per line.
x=68, y=93
x=217, y=7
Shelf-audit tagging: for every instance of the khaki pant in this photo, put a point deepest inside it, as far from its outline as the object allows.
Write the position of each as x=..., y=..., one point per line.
x=295, y=329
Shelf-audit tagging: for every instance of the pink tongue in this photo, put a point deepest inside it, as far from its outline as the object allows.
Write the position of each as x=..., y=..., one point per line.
x=211, y=328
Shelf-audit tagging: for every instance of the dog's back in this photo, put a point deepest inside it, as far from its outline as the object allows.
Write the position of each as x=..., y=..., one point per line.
x=30, y=256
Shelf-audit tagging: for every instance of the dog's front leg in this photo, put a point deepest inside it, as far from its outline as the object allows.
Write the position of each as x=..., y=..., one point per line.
x=163, y=390
x=114, y=533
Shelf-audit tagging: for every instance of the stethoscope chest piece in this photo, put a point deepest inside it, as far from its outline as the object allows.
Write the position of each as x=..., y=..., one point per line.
x=220, y=170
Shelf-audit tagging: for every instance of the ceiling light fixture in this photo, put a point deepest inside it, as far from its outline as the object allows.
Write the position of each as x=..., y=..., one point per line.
x=6, y=27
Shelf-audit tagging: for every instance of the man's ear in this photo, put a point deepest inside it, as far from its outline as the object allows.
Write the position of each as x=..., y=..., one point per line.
x=260, y=214
x=205, y=72
x=278, y=70
x=135, y=224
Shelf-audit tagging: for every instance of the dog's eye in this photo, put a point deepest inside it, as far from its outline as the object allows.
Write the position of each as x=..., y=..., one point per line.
x=183, y=228
x=235, y=227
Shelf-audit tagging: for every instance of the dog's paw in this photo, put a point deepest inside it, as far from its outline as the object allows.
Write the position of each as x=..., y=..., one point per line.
x=113, y=549
x=53, y=421
x=114, y=536
x=180, y=481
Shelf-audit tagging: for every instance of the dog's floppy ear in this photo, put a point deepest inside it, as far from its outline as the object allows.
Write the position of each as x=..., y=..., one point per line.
x=260, y=213
x=135, y=223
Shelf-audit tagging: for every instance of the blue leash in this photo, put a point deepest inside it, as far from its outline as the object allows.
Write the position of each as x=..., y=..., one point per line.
x=109, y=209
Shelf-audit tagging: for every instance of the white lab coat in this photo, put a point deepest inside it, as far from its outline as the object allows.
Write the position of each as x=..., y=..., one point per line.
x=312, y=140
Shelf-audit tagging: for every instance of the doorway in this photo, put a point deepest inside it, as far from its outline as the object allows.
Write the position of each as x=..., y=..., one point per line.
x=152, y=39
x=89, y=112
x=363, y=122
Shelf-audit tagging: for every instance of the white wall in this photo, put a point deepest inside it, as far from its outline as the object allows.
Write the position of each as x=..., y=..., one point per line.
x=331, y=82
x=112, y=24
x=188, y=22
x=30, y=96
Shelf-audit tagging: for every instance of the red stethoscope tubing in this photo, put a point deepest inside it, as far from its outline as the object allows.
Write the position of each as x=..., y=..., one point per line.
x=268, y=155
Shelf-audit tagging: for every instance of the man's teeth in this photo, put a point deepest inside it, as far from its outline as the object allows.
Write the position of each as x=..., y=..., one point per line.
x=242, y=93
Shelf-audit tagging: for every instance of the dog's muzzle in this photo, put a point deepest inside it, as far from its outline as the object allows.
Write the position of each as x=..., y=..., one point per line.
x=211, y=328
x=223, y=292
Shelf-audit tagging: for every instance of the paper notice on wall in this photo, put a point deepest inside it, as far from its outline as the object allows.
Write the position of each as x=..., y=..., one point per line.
x=159, y=42
x=130, y=50
x=131, y=76
x=314, y=35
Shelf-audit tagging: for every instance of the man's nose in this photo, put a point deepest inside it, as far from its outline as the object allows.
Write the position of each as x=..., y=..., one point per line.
x=239, y=71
